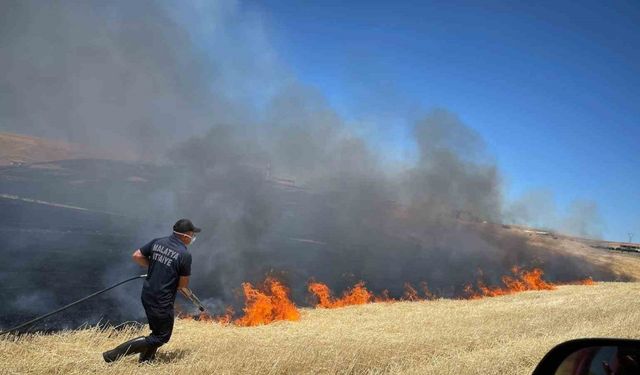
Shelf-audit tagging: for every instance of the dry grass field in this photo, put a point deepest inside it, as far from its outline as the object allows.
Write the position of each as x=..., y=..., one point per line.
x=500, y=335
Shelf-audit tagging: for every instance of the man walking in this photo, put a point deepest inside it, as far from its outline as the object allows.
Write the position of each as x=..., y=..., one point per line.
x=169, y=267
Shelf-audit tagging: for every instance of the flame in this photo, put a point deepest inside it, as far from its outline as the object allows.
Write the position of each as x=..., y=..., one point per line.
x=587, y=281
x=270, y=301
x=410, y=293
x=264, y=304
x=181, y=313
x=521, y=281
x=383, y=297
x=359, y=295
x=267, y=304
x=227, y=317
x=223, y=319
x=427, y=293
x=470, y=293
x=356, y=295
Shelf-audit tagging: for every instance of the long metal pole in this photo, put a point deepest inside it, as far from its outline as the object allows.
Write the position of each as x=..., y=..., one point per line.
x=30, y=322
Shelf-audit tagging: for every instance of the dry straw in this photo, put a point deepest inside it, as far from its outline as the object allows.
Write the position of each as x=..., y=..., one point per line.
x=501, y=335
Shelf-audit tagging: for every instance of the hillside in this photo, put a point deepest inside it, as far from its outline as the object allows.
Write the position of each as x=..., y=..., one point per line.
x=501, y=335
x=621, y=264
x=18, y=149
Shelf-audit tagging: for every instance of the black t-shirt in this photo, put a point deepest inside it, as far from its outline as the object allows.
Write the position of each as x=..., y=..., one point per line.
x=168, y=260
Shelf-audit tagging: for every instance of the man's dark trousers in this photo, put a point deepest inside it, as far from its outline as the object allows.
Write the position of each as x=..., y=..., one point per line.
x=160, y=323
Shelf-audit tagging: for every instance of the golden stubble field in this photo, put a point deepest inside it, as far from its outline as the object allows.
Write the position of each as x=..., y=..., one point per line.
x=501, y=335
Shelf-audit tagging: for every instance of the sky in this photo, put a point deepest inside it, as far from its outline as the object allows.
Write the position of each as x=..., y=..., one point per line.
x=552, y=87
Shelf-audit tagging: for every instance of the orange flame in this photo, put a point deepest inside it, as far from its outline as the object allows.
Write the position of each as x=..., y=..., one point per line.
x=383, y=297
x=263, y=305
x=181, y=314
x=520, y=282
x=267, y=304
x=223, y=319
x=410, y=293
x=587, y=281
x=227, y=317
x=270, y=301
x=357, y=295
x=425, y=290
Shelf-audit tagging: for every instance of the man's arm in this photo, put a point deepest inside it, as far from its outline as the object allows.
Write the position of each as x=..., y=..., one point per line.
x=183, y=283
x=142, y=260
x=183, y=287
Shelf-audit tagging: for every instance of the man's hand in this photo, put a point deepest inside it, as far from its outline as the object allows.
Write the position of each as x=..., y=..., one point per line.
x=140, y=259
x=184, y=280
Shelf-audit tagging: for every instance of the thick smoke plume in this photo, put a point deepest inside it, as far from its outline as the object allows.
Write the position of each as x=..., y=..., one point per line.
x=277, y=179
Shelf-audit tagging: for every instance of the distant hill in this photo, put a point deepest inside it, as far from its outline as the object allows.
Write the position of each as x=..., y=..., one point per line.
x=624, y=264
x=20, y=149
x=17, y=149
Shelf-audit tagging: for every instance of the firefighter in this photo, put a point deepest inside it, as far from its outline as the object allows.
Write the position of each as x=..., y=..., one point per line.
x=168, y=266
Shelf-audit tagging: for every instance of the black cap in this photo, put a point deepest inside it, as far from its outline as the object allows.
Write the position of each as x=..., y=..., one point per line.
x=184, y=226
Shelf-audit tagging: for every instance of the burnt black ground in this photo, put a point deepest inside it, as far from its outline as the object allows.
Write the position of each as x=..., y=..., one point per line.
x=53, y=255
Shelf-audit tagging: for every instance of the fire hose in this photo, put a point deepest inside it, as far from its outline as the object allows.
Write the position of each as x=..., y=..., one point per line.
x=35, y=320
x=185, y=291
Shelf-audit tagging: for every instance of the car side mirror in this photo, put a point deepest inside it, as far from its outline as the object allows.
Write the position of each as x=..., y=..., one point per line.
x=592, y=357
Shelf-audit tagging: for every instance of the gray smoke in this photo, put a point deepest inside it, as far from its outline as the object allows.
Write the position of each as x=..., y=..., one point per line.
x=448, y=177
x=277, y=179
x=583, y=219
x=347, y=218
x=537, y=208
x=124, y=76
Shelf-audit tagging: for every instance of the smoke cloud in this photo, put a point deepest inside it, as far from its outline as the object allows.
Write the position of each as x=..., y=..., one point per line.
x=128, y=75
x=538, y=208
x=215, y=128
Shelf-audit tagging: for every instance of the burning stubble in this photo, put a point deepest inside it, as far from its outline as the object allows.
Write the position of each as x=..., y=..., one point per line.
x=270, y=302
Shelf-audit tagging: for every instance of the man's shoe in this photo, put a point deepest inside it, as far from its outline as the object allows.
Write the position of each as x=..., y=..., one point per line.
x=137, y=345
x=148, y=355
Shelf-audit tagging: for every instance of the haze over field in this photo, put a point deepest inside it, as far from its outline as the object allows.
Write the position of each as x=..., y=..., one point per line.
x=141, y=78
x=215, y=127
